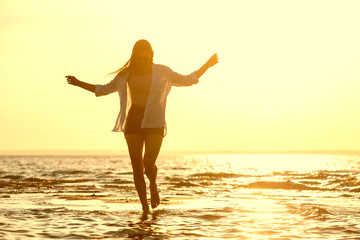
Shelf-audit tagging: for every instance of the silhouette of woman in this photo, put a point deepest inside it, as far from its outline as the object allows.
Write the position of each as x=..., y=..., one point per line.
x=143, y=88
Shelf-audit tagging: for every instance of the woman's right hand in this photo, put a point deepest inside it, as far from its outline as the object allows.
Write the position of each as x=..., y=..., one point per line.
x=72, y=80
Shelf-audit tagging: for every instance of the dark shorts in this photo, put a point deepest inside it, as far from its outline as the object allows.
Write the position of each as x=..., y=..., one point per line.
x=134, y=120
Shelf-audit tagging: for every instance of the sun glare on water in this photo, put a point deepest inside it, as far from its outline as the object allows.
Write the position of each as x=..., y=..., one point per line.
x=266, y=163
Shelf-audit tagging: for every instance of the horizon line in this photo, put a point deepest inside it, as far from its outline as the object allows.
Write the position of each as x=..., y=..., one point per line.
x=125, y=152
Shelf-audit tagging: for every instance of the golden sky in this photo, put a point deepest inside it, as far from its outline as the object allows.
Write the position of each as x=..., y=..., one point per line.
x=288, y=76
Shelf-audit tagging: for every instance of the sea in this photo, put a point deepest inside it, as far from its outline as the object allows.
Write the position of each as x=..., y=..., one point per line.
x=203, y=196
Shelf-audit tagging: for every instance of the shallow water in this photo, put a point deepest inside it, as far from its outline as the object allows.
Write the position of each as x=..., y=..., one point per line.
x=202, y=197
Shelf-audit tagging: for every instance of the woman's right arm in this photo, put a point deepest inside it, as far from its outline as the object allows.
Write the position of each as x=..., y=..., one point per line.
x=74, y=81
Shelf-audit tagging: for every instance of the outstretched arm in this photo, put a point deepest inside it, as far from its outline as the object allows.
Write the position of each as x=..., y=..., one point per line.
x=74, y=81
x=211, y=62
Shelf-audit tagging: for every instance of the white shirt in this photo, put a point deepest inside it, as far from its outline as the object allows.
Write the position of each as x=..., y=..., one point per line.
x=163, y=78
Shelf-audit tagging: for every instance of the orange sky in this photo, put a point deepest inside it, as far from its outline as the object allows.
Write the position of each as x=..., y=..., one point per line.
x=288, y=77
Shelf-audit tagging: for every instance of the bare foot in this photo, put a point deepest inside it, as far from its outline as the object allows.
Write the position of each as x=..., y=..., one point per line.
x=145, y=214
x=155, y=199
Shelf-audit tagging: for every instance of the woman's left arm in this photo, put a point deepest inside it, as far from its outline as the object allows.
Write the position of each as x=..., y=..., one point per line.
x=211, y=62
x=187, y=80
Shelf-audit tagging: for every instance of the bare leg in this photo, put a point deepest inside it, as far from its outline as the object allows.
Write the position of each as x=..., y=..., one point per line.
x=135, y=145
x=152, y=148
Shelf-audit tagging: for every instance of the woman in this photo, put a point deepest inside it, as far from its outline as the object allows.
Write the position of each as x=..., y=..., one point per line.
x=143, y=87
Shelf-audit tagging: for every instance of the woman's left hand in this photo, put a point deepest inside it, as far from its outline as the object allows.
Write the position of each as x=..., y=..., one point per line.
x=212, y=60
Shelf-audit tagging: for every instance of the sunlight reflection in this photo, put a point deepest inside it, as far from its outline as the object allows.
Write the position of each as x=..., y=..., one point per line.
x=267, y=163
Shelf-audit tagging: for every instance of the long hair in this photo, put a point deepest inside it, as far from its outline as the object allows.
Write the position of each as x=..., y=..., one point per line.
x=141, y=45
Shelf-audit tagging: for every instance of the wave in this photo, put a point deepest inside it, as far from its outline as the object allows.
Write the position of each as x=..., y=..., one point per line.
x=54, y=181
x=316, y=212
x=121, y=181
x=313, y=211
x=117, y=186
x=125, y=173
x=210, y=217
x=36, y=182
x=287, y=185
x=185, y=183
x=70, y=172
x=355, y=190
x=216, y=175
x=13, y=177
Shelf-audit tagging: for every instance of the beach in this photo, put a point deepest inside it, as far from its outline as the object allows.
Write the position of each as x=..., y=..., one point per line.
x=203, y=196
